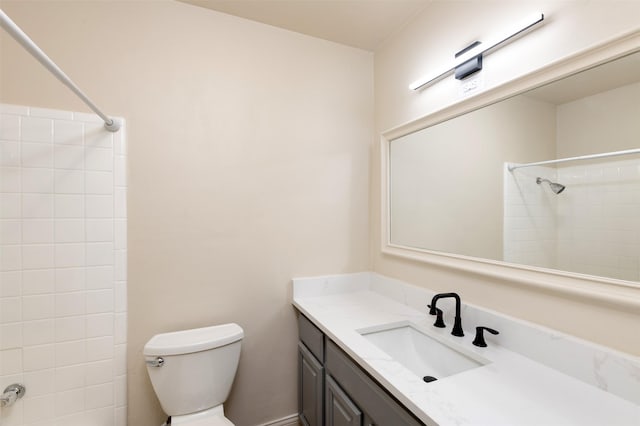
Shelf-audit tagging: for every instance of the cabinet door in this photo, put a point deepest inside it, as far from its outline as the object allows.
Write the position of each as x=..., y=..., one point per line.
x=310, y=388
x=340, y=411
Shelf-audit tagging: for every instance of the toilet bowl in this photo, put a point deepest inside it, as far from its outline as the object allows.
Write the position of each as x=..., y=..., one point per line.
x=192, y=372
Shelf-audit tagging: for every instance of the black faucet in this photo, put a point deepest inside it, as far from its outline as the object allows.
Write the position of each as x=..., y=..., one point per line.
x=479, y=339
x=457, y=325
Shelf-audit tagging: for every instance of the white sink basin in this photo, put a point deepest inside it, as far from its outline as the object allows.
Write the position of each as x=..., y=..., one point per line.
x=420, y=353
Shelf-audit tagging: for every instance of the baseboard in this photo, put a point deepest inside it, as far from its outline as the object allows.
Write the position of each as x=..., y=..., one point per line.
x=291, y=420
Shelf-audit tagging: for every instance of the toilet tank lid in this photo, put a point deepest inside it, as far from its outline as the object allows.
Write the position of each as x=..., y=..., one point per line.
x=194, y=340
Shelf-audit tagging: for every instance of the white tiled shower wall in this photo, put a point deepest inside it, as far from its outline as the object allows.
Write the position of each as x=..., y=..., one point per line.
x=593, y=227
x=62, y=268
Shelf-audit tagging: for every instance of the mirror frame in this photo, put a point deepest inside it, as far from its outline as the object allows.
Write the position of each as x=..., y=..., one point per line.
x=619, y=293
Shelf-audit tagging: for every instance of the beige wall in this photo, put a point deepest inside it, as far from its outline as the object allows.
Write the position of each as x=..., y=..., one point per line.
x=426, y=44
x=248, y=165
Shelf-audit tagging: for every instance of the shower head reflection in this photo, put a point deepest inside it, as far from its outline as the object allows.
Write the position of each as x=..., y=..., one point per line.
x=555, y=187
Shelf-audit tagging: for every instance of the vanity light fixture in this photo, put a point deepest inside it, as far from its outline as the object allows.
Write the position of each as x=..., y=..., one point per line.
x=469, y=60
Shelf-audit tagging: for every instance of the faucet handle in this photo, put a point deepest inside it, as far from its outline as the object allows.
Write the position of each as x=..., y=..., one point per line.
x=439, y=320
x=479, y=340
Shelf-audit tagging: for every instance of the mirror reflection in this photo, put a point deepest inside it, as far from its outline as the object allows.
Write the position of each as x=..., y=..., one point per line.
x=466, y=186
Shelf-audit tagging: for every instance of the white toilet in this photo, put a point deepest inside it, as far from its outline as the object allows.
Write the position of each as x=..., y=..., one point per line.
x=192, y=372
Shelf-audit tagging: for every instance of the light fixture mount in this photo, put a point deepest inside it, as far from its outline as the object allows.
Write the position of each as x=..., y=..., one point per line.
x=472, y=66
x=469, y=59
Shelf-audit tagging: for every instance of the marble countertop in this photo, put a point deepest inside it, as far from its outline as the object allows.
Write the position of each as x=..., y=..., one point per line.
x=510, y=390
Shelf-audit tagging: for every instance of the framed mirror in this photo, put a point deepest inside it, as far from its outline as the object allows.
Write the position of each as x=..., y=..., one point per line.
x=466, y=182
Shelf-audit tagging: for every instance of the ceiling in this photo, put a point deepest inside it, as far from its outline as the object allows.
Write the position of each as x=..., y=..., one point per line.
x=364, y=24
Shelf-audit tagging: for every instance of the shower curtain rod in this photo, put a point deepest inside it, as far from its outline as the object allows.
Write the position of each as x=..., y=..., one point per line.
x=583, y=157
x=14, y=31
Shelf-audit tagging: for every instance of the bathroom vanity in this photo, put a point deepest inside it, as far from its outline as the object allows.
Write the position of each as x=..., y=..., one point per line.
x=334, y=390
x=365, y=349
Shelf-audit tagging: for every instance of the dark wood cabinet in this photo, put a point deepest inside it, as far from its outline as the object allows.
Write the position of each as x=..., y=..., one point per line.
x=335, y=391
x=340, y=410
x=310, y=388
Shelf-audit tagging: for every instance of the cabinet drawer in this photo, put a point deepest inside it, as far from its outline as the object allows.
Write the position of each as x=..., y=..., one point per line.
x=364, y=391
x=312, y=337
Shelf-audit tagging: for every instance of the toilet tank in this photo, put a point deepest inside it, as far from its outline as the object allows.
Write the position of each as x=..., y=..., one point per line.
x=197, y=368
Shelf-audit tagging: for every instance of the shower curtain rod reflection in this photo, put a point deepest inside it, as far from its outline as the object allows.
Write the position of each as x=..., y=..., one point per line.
x=512, y=167
x=21, y=37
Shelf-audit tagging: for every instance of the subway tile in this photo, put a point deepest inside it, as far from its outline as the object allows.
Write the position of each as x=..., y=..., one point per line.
x=68, y=181
x=38, y=281
x=10, y=258
x=69, y=206
x=69, y=255
x=120, y=234
x=69, y=231
x=10, y=361
x=120, y=296
x=100, y=301
x=39, y=332
x=120, y=141
x=69, y=304
x=38, y=409
x=120, y=415
x=99, y=206
x=69, y=402
x=100, y=325
x=36, y=155
x=37, y=206
x=70, y=328
x=97, y=136
x=70, y=279
x=10, y=206
x=38, y=256
x=37, y=307
x=121, y=265
x=38, y=357
x=10, y=179
x=40, y=382
x=10, y=309
x=37, y=180
x=10, y=231
x=68, y=132
x=10, y=283
x=100, y=417
x=120, y=360
x=100, y=348
x=120, y=171
x=70, y=353
x=98, y=159
x=100, y=230
x=99, y=372
x=37, y=231
x=69, y=157
x=99, y=182
x=120, y=389
x=9, y=153
x=99, y=254
x=71, y=377
x=9, y=126
x=99, y=277
x=120, y=203
x=99, y=396
x=120, y=328
x=11, y=336
x=55, y=114
x=36, y=129
x=14, y=109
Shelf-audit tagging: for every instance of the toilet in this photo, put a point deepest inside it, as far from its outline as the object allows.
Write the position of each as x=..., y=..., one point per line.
x=192, y=372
